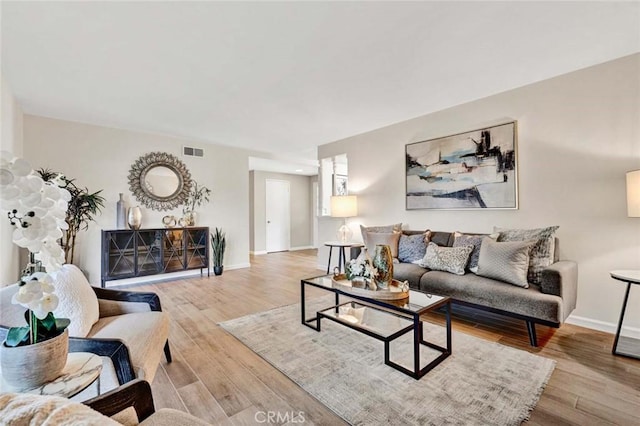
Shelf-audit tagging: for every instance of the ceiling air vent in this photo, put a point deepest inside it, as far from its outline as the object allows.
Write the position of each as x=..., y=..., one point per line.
x=192, y=152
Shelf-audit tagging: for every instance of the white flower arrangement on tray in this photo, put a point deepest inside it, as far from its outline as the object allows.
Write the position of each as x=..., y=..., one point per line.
x=360, y=268
x=37, y=209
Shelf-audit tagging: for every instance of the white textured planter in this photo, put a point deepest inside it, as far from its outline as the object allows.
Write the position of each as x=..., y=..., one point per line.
x=27, y=367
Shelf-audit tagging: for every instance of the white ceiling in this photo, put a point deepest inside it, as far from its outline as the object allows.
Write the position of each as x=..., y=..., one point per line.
x=286, y=77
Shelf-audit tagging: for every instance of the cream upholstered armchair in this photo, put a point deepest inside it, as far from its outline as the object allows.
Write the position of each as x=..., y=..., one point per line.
x=127, y=328
x=130, y=404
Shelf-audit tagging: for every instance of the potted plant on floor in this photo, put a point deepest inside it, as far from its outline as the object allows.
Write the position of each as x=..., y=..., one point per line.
x=218, y=245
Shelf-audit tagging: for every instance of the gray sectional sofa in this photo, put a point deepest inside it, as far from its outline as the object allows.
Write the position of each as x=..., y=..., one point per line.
x=549, y=303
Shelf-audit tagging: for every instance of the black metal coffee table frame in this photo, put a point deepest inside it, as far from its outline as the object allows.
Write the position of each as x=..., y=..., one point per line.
x=389, y=308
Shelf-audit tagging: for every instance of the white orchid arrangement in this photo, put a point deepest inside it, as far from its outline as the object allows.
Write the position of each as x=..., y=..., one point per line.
x=37, y=209
x=361, y=267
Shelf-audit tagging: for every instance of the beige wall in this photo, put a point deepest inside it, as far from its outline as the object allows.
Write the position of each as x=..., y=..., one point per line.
x=577, y=136
x=301, y=225
x=10, y=140
x=100, y=158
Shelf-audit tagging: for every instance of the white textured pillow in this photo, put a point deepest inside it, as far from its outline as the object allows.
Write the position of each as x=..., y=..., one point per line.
x=448, y=259
x=78, y=301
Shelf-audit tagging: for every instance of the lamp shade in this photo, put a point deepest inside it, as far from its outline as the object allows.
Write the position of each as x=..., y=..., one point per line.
x=633, y=193
x=344, y=206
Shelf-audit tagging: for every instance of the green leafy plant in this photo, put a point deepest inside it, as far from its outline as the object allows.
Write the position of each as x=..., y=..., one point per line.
x=83, y=207
x=198, y=195
x=218, y=245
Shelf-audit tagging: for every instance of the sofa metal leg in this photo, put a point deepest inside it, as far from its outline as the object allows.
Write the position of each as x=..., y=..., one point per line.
x=167, y=351
x=531, y=328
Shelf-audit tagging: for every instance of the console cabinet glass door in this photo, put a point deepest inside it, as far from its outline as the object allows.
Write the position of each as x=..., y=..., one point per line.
x=120, y=261
x=173, y=250
x=149, y=260
x=197, y=248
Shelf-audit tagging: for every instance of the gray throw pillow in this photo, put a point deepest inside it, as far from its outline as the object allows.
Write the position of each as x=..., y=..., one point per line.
x=542, y=251
x=508, y=262
x=448, y=259
x=412, y=248
x=475, y=241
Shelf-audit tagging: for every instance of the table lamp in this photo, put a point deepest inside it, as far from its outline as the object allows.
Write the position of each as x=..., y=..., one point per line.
x=344, y=206
x=633, y=193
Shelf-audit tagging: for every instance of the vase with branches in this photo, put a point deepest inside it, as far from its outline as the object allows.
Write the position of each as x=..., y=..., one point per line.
x=82, y=209
x=198, y=196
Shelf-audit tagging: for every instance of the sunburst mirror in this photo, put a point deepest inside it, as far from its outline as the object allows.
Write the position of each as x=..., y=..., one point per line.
x=159, y=181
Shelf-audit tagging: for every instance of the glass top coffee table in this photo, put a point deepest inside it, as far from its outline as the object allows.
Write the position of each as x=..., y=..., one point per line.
x=385, y=320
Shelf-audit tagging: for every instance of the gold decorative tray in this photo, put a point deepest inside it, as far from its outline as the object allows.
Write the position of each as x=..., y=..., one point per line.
x=397, y=290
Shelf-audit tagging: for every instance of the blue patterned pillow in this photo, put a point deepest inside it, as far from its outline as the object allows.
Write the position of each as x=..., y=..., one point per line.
x=412, y=248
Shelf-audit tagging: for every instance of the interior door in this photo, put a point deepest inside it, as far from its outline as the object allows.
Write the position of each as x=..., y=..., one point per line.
x=277, y=215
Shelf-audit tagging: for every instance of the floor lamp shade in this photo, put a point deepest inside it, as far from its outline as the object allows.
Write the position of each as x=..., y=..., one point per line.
x=633, y=193
x=344, y=206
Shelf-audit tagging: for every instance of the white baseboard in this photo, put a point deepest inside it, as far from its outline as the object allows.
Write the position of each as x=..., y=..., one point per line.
x=607, y=327
x=150, y=279
x=301, y=248
x=258, y=252
x=323, y=267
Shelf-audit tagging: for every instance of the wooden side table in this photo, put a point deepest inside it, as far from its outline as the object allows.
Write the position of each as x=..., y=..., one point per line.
x=342, y=257
x=82, y=369
x=627, y=346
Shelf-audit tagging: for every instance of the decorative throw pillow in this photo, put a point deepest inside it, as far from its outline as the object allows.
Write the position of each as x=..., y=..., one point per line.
x=77, y=300
x=542, y=251
x=475, y=241
x=366, y=230
x=412, y=248
x=508, y=262
x=375, y=238
x=448, y=259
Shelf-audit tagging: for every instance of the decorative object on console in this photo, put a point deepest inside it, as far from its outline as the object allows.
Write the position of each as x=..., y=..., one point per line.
x=134, y=218
x=159, y=181
x=461, y=239
x=198, y=196
x=344, y=206
x=633, y=193
x=476, y=169
x=169, y=221
x=383, y=262
x=218, y=246
x=543, y=251
x=448, y=259
x=121, y=214
x=505, y=261
x=35, y=353
x=82, y=207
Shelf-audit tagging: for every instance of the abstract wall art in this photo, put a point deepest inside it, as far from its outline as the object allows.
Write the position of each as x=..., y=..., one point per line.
x=471, y=170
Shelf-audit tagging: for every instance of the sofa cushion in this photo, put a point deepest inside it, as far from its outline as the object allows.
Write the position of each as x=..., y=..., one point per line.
x=449, y=259
x=411, y=248
x=461, y=239
x=376, y=238
x=77, y=300
x=495, y=294
x=506, y=262
x=144, y=334
x=409, y=272
x=542, y=252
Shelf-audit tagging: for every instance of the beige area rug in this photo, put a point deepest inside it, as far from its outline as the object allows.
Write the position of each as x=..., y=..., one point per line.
x=481, y=383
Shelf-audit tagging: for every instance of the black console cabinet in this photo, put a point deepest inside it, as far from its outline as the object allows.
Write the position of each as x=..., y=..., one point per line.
x=128, y=253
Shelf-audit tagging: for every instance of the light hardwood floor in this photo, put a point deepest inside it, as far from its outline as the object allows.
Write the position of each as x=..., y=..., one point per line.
x=217, y=378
